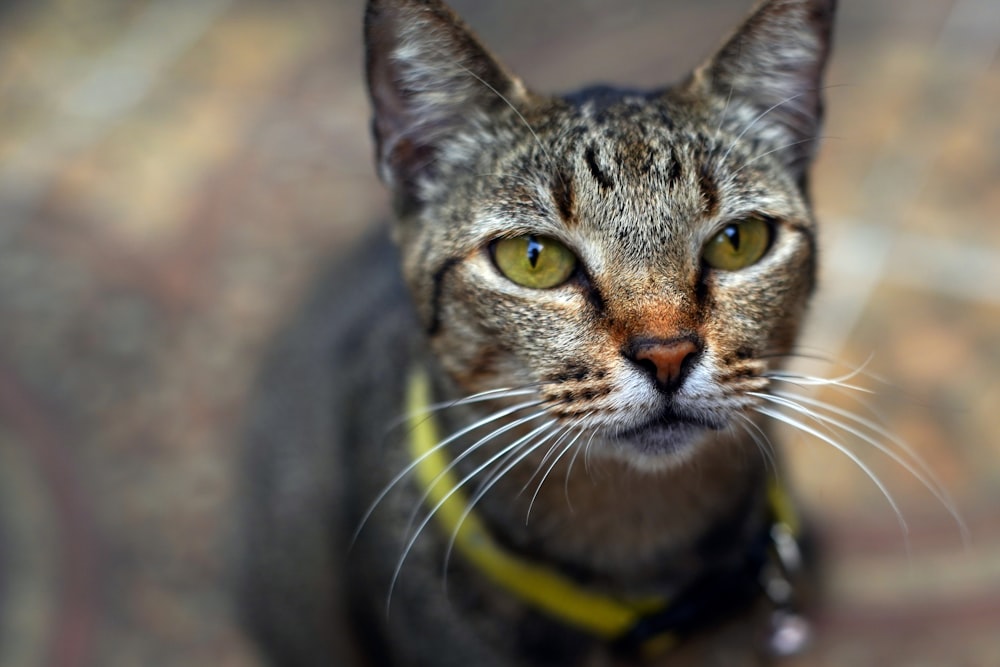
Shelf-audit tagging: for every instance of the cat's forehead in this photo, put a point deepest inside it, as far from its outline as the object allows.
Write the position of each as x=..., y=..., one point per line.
x=676, y=157
x=627, y=123
x=638, y=143
x=633, y=174
x=629, y=161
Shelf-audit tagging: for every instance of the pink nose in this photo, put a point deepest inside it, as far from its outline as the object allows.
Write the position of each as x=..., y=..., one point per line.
x=666, y=360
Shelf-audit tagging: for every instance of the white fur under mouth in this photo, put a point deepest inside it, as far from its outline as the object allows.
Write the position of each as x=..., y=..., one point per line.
x=666, y=422
x=657, y=446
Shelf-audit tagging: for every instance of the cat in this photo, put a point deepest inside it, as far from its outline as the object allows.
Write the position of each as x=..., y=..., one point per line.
x=522, y=425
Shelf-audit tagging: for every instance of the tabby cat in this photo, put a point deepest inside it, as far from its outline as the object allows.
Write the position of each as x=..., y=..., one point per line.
x=528, y=430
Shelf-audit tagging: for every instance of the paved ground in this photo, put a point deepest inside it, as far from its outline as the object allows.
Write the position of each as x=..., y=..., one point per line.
x=173, y=174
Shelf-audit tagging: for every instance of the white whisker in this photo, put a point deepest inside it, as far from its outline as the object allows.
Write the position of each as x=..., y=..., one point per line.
x=915, y=465
x=522, y=443
x=541, y=464
x=510, y=104
x=757, y=120
x=492, y=435
x=762, y=441
x=805, y=428
x=569, y=469
x=416, y=462
x=725, y=110
x=502, y=462
x=490, y=395
x=838, y=381
x=569, y=445
x=430, y=515
x=779, y=148
x=810, y=381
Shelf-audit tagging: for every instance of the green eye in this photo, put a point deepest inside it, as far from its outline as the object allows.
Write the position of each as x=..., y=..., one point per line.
x=739, y=245
x=534, y=261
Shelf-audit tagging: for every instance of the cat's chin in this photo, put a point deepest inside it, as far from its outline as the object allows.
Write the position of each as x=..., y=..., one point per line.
x=659, y=445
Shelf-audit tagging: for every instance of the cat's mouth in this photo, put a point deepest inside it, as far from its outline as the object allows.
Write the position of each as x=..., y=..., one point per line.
x=668, y=431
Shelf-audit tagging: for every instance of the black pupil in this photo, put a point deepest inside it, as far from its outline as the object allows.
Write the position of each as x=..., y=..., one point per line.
x=534, y=250
x=732, y=233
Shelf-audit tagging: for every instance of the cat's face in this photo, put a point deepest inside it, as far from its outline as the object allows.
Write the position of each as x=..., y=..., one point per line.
x=639, y=259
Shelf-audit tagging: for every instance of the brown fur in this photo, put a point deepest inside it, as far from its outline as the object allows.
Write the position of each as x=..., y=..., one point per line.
x=635, y=185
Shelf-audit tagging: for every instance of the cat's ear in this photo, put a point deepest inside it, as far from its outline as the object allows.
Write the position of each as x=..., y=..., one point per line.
x=429, y=78
x=775, y=62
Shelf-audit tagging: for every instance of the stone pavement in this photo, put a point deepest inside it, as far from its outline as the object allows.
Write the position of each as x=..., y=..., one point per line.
x=173, y=174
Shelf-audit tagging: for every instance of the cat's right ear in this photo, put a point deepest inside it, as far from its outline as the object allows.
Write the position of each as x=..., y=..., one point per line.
x=775, y=62
x=430, y=80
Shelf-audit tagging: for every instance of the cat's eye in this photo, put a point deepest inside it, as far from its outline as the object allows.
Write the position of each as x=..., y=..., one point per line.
x=534, y=261
x=738, y=245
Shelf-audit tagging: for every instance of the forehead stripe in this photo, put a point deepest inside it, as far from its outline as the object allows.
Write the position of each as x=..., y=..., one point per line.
x=564, y=197
x=595, y=170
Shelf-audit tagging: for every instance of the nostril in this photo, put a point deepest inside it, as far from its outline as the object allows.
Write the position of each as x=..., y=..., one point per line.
x=647, y=365
x=665, y=360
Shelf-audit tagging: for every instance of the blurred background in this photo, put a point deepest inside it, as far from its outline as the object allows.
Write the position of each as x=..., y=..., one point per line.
x=173, y=175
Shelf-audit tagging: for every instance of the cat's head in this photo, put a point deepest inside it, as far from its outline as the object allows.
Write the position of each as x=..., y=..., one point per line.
x=641, y=258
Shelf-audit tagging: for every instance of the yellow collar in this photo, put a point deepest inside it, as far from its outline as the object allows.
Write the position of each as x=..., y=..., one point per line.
x=546, y=590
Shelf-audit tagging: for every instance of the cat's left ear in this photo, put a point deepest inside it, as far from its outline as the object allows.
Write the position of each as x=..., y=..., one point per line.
x=430, y=80
x=775, y=62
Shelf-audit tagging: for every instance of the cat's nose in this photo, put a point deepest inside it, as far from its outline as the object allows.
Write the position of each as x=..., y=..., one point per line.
x=668, y=361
